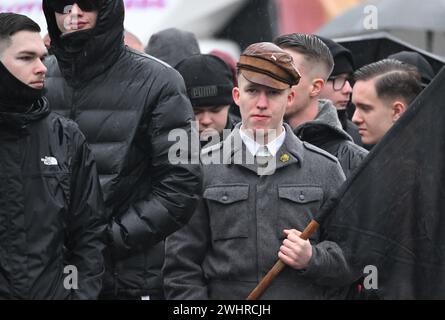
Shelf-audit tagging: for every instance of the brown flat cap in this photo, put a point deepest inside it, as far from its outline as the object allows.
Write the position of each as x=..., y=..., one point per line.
x=269, y=65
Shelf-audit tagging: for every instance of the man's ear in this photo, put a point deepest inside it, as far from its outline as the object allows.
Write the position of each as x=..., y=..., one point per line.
x=235, y=95
x=317, y=86
x=398, y=108
x=291, y=96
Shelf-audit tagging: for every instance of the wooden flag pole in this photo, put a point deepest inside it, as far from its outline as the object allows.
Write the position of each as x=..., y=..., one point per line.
x=279, y=266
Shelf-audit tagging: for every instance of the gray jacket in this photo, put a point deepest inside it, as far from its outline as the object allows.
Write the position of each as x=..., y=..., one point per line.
x=234, y=236
x=326, y=132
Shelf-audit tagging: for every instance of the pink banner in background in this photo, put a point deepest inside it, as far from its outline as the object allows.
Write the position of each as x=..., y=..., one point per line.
x=22, y=8
x=37, y=5
x=143, y=4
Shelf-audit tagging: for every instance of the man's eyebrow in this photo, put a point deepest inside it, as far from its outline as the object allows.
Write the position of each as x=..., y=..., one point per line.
x=252, y=85
x=31, y=53
x=34, y=53
x=362, y=105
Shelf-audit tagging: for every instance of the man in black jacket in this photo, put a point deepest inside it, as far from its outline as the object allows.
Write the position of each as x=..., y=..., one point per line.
x=338, y=88
x=313, y=120
x=51, y=211
x=126, y=103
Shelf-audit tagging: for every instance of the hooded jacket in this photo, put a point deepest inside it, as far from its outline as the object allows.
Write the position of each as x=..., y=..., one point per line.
x=51, y=213
x=326, y=133
x=126, y=103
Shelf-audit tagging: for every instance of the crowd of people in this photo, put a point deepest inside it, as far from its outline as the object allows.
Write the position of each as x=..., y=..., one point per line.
x=87, y=181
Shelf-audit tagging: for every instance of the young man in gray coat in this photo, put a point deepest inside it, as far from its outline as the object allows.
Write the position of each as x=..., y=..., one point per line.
x=262, y=186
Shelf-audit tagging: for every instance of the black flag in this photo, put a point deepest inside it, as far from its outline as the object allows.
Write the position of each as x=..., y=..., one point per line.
x=391, y=213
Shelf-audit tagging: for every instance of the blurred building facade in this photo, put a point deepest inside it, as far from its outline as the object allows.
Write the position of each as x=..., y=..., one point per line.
x=232, y=25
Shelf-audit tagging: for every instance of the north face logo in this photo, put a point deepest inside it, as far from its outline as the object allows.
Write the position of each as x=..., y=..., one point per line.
x=49, y=161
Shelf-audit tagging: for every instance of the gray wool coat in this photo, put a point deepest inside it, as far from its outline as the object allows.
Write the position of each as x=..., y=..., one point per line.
x=234, y=236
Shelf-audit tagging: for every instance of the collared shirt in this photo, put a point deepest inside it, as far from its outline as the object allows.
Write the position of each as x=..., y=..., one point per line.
x=253, y=146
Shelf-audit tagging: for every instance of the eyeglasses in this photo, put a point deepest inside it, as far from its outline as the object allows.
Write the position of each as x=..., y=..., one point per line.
x=64, y=6
x=339, y=82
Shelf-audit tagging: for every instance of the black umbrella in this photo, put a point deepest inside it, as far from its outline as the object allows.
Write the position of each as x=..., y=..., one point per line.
x=373, y=47
x=410, y=17
x=391, y=213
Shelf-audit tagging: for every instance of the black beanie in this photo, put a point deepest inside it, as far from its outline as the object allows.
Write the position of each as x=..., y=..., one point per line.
x=208, y=79
x=417, y=60
x=343, y=60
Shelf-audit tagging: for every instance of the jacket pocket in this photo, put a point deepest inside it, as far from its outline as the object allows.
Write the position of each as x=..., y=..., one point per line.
x=55, y=189
x=299, y=204
x=228, y=211
x=58, y=187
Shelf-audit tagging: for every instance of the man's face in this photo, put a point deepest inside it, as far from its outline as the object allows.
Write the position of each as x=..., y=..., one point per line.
x=302, y=91
x=261, y=107
x=373, y=116
x=211, y=119
x=74, y=19
x=24, y=56
x=337, y=89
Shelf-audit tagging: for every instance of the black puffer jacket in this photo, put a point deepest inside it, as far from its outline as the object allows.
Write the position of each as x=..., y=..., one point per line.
x=50, y=208
x=326, y=133
x=126, y=103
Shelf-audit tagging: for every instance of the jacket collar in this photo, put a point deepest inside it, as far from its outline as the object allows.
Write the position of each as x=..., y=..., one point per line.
x=235, y=151
x=16, y=96
x=16, y=125
x=325, y=123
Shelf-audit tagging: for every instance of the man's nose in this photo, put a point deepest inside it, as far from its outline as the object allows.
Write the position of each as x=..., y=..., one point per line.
x=356, y=118
x=40, y=67
x=262, y=101
x=347, y=88
x=75, y=9
x=205, y=118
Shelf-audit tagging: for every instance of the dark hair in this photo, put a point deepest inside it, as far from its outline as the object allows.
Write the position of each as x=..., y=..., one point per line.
x=11, y=23
x=308, y=45
x=394, y=79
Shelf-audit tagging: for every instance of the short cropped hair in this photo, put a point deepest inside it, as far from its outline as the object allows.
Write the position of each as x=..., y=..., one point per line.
x=394, y=79
x=11, y=23
x=315, y=50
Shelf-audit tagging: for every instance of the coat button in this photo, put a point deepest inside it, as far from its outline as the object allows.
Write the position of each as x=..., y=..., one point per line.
x=302, y=197
x=224, y=198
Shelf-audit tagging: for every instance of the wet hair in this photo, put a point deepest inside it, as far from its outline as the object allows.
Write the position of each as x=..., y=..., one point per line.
x=11, y=23
x=394, y=79
x=314, y=50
